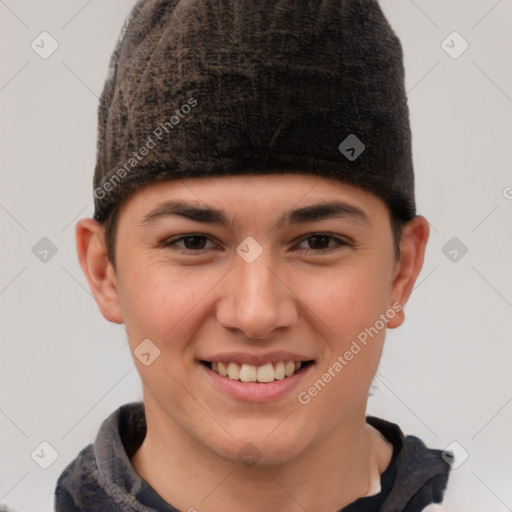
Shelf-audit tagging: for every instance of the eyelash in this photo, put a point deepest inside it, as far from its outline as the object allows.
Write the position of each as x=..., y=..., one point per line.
x=340, y=243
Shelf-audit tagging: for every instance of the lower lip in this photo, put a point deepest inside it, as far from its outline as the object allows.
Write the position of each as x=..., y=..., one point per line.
x=254, y=391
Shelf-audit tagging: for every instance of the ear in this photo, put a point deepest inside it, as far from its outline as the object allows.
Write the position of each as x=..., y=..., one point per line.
x=412, y=252
x=92, y=255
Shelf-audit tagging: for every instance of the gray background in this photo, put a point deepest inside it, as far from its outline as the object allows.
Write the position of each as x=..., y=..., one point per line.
x=445, y=375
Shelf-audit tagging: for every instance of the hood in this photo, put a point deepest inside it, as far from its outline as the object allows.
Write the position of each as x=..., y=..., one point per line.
x=102, y=477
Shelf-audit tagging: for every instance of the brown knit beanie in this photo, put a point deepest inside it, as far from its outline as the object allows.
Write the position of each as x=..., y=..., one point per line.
x=219, y=87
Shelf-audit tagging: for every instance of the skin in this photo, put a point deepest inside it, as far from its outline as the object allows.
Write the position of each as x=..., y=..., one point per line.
x=319, y=456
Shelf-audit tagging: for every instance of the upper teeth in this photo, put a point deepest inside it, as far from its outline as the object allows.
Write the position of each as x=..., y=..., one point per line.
x=250, y=373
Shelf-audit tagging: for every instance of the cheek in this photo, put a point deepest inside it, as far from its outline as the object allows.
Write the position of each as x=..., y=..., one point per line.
x=160, y=302
x=347, y=300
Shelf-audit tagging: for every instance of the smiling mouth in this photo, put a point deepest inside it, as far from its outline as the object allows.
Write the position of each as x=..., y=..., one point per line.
x=265, y=373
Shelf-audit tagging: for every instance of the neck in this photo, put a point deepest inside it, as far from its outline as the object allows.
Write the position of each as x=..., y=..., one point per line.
x=325, y=477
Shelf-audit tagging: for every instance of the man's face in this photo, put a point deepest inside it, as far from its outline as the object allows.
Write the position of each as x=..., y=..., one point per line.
x=255, y=293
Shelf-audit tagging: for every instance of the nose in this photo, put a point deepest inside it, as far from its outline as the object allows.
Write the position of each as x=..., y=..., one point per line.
x=255, y=299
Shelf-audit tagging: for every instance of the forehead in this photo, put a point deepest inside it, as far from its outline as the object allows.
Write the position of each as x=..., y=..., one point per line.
x=262, y=196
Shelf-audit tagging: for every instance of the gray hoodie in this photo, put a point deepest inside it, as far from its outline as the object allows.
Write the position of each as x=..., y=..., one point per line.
x=102, y=479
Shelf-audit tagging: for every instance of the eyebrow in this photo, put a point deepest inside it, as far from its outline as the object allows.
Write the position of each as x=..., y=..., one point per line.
x=211, y=215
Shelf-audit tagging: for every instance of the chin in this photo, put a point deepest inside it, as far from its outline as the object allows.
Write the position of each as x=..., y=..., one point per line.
x=261, y=449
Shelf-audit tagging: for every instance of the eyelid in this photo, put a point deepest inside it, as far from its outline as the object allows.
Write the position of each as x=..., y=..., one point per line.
x=340, y=242
x=172, y=241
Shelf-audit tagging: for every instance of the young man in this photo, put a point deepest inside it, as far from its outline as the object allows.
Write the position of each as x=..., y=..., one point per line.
x=255, y=231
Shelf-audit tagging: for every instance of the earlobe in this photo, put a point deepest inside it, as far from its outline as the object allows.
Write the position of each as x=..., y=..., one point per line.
x=412, y=253
x=92, y=255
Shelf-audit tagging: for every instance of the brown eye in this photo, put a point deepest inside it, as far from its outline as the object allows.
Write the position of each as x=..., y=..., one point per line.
x=192, y=243
x=319, y=243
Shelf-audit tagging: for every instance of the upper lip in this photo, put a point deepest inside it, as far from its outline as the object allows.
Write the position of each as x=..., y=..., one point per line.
x=256, y=359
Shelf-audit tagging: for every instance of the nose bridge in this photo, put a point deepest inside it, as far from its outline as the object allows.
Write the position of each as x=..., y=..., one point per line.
x=256, y=281
x=252, y=266
x=255, y=300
